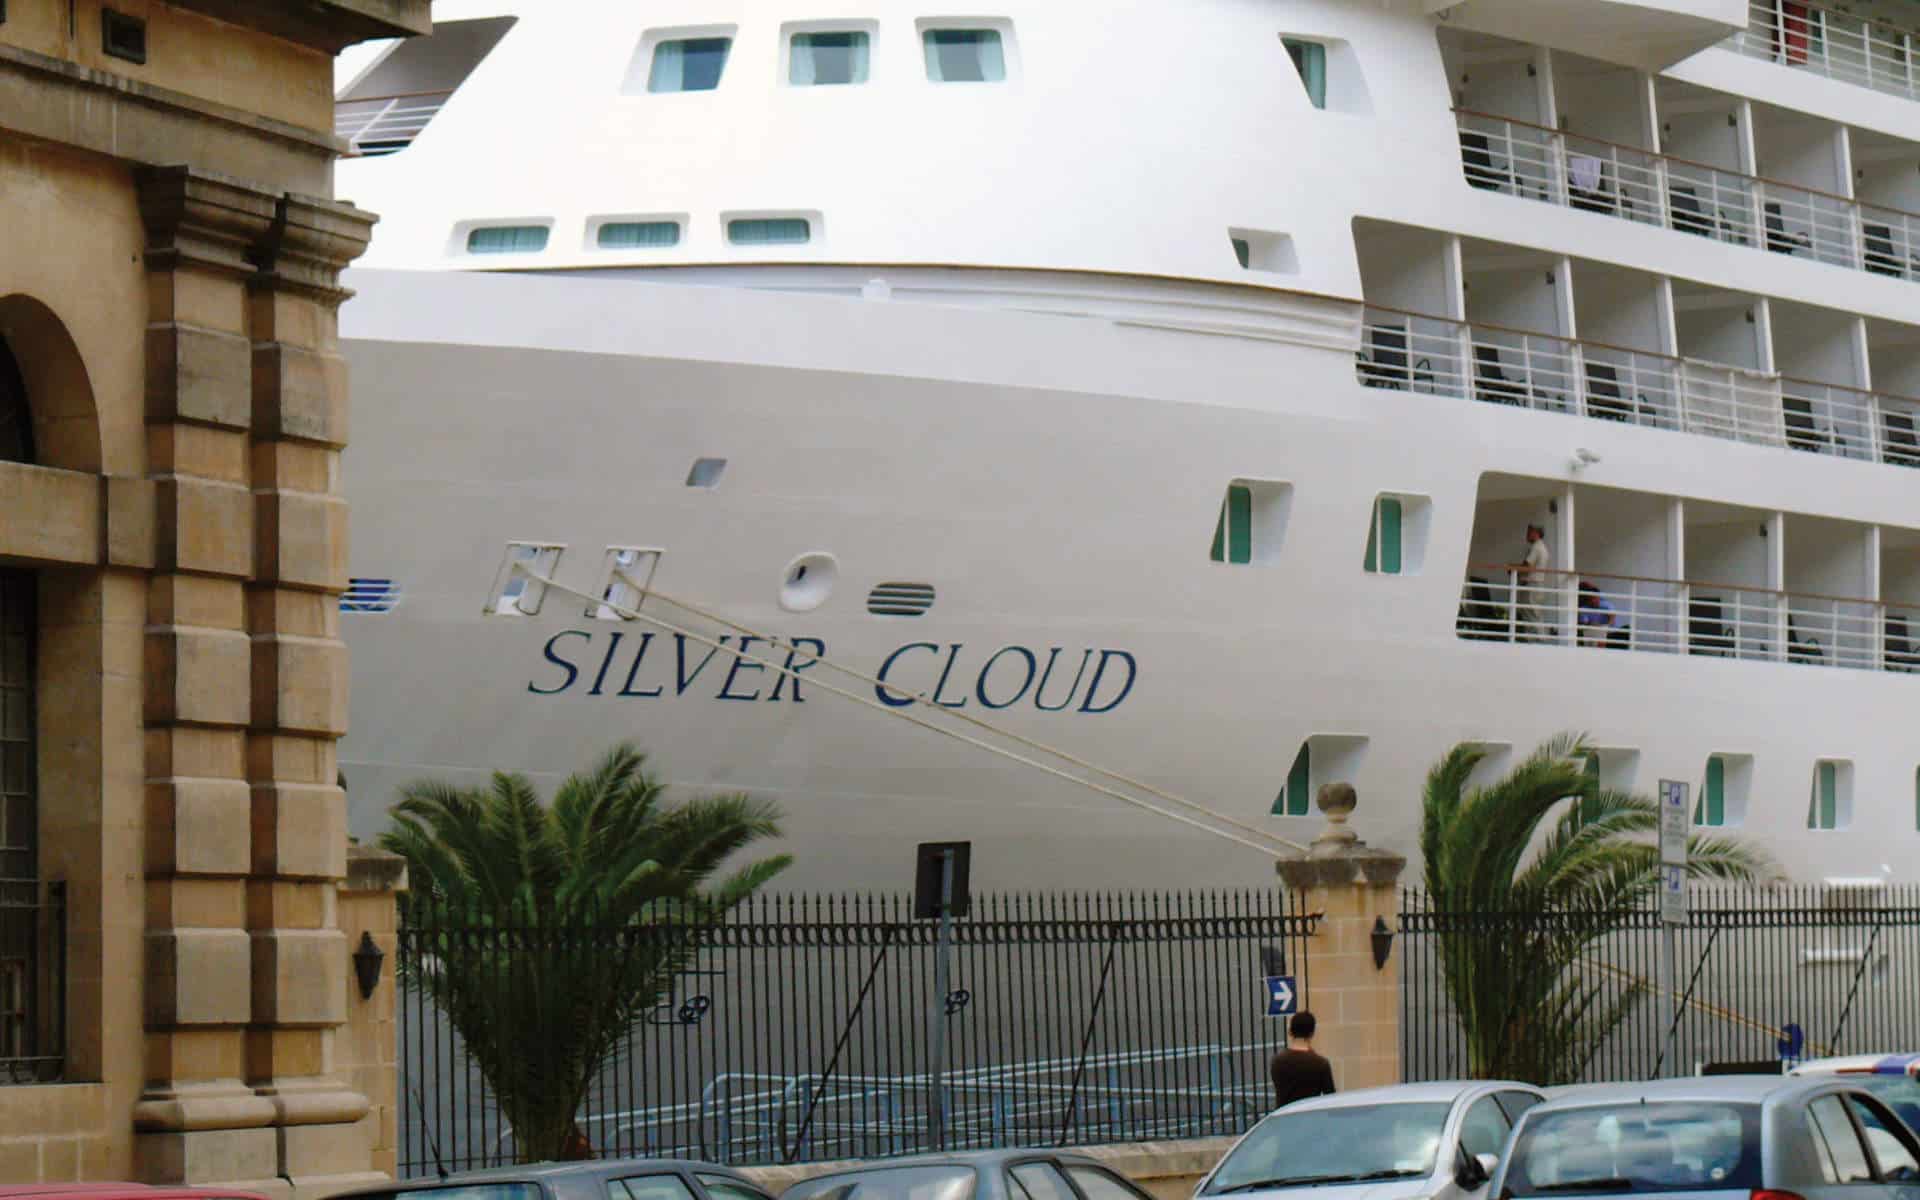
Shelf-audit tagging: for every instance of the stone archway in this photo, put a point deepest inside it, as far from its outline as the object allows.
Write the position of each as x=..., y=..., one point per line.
x=52, y=382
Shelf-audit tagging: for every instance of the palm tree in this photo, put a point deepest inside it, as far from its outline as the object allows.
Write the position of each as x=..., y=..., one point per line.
x=546, y=933
x=1521, y=911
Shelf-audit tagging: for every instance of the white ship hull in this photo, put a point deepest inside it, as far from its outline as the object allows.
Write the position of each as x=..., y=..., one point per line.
x=1057, y=479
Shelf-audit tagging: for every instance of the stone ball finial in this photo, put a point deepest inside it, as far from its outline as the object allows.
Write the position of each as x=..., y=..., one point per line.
x=1338, y=800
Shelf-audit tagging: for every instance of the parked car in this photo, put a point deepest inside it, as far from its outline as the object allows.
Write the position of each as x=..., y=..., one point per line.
x=1432, y=1140
x=1764, y=1137
x=1895, y=1078
x=975, y=1175
x=606, y=1179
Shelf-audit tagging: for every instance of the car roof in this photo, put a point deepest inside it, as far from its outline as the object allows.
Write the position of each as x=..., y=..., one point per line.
x=605, y=1168
x=1750, y=1089
x=958, y=1158
x=1438, y=1092
x=1862, y=1064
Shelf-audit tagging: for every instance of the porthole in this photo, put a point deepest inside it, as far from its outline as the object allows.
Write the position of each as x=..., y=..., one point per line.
x=808, y=582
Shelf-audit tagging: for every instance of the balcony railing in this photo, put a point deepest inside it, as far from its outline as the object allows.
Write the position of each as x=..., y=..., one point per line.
x=1534, y=162
x=383, y=124
x=1438, y=356
x=1502, y=602
x=1852, y=49
x=33, y=981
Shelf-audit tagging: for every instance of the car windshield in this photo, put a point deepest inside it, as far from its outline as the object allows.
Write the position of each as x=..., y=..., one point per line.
x=464, y=1191
x=894, y=1183
x=1673, y=1146
x=1343, y=1144
x=1901, y=1093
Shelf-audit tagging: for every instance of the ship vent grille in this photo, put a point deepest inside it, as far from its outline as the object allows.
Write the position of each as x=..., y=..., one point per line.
x=900, y=599
x=370, y=596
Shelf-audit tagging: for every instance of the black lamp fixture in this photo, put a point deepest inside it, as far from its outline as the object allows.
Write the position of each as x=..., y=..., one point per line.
x=1382, y=939
x=366, y=965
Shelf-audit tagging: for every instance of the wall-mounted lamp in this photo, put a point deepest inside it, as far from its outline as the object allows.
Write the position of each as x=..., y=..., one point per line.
x=367, y=961
x=1382, y=940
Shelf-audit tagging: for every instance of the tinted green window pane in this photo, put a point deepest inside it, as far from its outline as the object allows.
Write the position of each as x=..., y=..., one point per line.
x=1296, y=792
x=688, y=65
x=1829, y=802
x=1239, y=525
x=1219, y=554
x=1243, y=251
x=965, y=56
x=507, y=239
x=1713, y=797
x=637, y=235
x=1389, y=536
x=1310, y=59
x=775, y=231
x=1373, y=546
x=822, y=59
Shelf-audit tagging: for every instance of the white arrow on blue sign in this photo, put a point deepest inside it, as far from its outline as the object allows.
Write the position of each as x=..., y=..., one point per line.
x=1280, y=996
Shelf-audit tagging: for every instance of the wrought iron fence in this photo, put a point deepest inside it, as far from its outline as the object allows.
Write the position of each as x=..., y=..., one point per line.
x=1762, y=974
x=798, y=1029
x=33, y=981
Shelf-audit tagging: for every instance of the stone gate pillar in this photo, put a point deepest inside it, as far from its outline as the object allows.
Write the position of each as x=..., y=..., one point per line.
x=247, y=967
x=1356, y=1001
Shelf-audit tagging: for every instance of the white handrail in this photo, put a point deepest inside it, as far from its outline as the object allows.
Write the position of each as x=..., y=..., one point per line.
x=1838, y=45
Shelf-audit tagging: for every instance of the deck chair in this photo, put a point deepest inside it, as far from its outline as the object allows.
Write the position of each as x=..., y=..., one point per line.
x=1492, y=383
x=1604, y=398
x=1778, y=239
x=1802, y=650
x=1902, y=446
x=1802, y=432
x=1385, y=363
x=1476, y=154
x=1480, y=619
x=1881, y=258
x=1901, y=655
x=1707, y=630
x=1683, y=206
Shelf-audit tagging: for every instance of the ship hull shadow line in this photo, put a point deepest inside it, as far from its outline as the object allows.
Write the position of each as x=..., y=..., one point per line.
x=1268, y=844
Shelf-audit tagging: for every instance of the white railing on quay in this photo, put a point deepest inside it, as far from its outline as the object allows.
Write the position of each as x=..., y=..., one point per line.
x=1534, y=162
x=1840, y=45
x=1440, y=356
x=384, y=124
x=1508, y=602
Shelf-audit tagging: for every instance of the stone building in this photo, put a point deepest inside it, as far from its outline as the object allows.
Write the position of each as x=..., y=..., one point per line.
x=175, y=980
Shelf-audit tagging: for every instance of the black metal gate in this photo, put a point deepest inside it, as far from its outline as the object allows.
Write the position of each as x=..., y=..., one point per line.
x=1801, y=972
x=800, y=1029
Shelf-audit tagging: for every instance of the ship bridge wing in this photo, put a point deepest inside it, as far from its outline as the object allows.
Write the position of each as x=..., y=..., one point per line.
x=1651, y=35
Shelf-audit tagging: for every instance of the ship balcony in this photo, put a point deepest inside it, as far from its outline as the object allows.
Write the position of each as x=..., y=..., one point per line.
x=1650, y=35
x=1439, y=356
x=1500, y=602
x=1533, y=162
x=372, y=125
x=1839, y=45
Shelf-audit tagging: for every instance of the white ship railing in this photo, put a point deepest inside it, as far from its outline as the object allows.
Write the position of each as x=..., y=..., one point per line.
x=1505, y=602
x=1418, y=352
x=384, y=124
x=1812, y=37
x=1531, y=161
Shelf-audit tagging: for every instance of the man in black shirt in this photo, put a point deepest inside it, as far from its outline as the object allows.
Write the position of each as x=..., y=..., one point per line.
x=1299, y=1073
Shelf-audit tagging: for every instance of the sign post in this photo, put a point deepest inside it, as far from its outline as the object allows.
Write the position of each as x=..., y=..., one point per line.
x=1676, y=824
x=940, y=890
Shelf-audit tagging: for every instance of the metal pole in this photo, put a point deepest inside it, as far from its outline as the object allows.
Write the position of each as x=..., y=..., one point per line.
x=1672, y=937
x=937, y=1017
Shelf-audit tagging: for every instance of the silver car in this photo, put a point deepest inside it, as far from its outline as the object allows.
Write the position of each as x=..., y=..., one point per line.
x=1431, y=1141
x=1718, y=1138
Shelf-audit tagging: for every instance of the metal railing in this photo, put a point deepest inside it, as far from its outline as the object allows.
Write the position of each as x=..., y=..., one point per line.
x=1534, y=162
x=1826, y=968
x=33, y=981
x=373, y=125
x=1503, y=602
x=798, y=1028
x=1440, y=356
x=1843, y=46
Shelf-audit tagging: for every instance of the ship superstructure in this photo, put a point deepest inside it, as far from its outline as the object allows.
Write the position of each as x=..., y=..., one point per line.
x=1170, y=388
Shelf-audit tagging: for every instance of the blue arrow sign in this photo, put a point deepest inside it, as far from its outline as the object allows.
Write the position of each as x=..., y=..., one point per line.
x=1281, y=1000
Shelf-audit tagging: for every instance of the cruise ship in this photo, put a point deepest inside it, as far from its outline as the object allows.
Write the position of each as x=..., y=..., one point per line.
x=1086, y=430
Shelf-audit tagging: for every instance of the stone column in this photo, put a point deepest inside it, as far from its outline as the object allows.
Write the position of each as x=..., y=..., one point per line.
x=197, y=1120
x=1357, y=889
x=301, y=973
x=247, y=966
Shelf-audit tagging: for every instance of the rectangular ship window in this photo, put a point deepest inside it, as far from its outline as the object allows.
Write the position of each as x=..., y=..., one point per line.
x=1310, y=59
x=827, y=58
x=689, y=64
x=624, y=581
x=965, y=56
